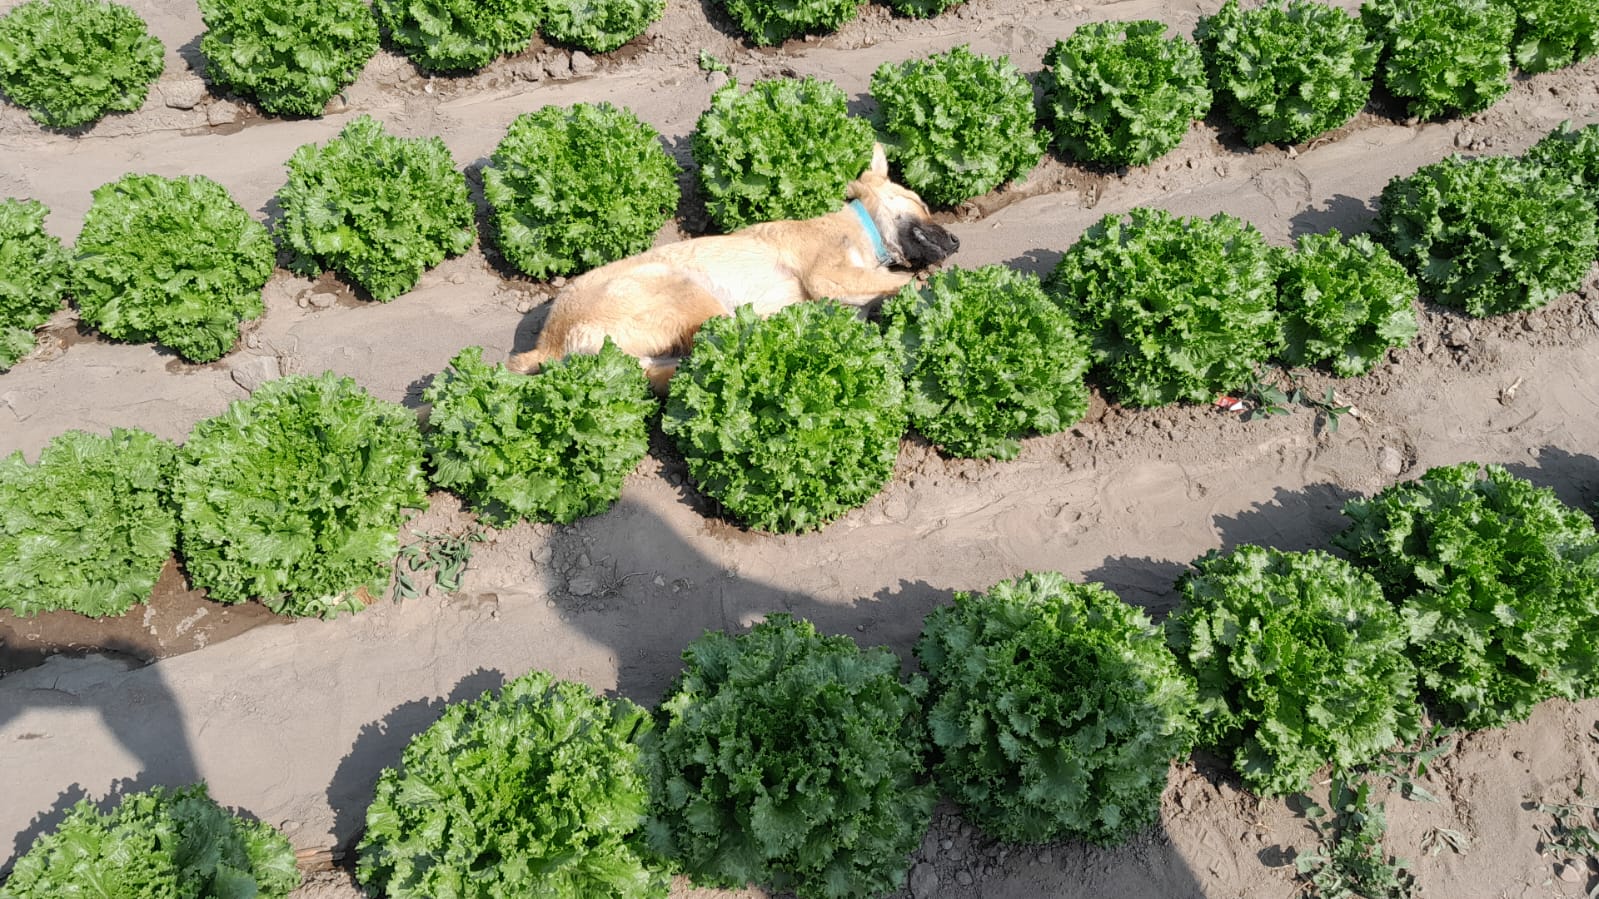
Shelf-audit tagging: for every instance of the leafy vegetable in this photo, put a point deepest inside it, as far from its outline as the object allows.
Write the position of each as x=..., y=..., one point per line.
x=599, y=26
x=161, y=842
x=783, y=149
x=536, y=790
x=988, y=358
x=1574, y=153
x=552, y=447
x=1498, y=584
x=572, y=189
x=922, y=9
x=768, y=22
x=1175, y=308
x=89, y=527
x=1287, y=71
x=1343, y=302
x=69, y=62
x=956, y=124
x=295, y=495
x=1442, y=57
x=1055, y=709
x=790, y=421
x=290, y=56
x=1488, y=235
x=458, y=35
x=1122, y=93
x=1300, y=663
x=378, y=209
x=174, y=260
x=792, y=759
x=1553, y=34
x=34, y=272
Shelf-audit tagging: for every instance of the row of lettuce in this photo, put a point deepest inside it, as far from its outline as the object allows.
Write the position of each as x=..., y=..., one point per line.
x=295, y=495
x=1285, y=71
x=1045, y=709
x=179, y=262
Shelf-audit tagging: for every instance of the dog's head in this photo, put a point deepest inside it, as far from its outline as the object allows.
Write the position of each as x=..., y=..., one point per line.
x=908, y=229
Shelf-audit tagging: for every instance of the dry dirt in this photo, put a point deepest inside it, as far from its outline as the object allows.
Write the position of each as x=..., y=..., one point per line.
x=292, y=722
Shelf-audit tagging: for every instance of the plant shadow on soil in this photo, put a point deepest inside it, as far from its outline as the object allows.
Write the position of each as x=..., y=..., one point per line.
x=145, y=721
x=646, y=568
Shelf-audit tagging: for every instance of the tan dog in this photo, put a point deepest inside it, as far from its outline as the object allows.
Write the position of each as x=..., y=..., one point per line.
x=651, y=304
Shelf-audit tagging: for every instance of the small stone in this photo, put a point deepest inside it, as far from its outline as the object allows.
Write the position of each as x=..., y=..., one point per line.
x=1569, y=873
x=543, y=555
x=1390, y=461
x=583, y=561
x=1046, y=857
x=524, y=306
x=558, y=282
x=946, y=844
x=1465, y=138
x=527, y=70
x=1293, y=152
x=659, y=581
x=250, y=372
x=558, y=65
x=183, y=94
x=222, y=113
x=322, y=300
x=964, y=878
x=716, y=80
x=336, y=105
x=924, y=881
x=581, y=585
x=1593, y=313
x=1533, y=323
x=457, y=279
x=582, y=63
x=1458, y=335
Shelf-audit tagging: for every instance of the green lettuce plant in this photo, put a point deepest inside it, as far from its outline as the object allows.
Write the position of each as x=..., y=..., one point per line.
x=1175, y=308
x=768, y=22
x=289, y=56
x=989, y=358
x=1342, y=302
x=160, y=842
x=599, y=26
x=1498, y=585
x=551, y=447
x=1287, y=71
x=785, y=148
x=1300, y=662
x=1489, y=235
x=535, y=790
x=173, y=260
x=576, y=187
x=1122, y=93
x=69, y=62
x=295, y=495
x=1442, y=57
x=378, y=209
x=89, y=527
x=788, y=422
x=34, y=272
x=1055, y=709
x=1553, y=34
x=788, y=758
x=956, y=124
x=922, y=9
x=458, y=35
x=1574, y=153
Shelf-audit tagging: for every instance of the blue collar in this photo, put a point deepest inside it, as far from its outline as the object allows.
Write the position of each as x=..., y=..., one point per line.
x=871, y=231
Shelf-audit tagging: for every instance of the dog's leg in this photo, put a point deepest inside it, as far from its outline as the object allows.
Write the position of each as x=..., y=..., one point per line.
x=854, y=287
x=660, y=369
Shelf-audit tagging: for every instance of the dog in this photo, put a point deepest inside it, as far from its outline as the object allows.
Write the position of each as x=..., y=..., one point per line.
x=652, y=304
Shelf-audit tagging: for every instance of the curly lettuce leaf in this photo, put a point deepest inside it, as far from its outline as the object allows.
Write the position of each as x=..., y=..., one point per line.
x=1342, y=302
x=378, y=209
x=173, y=260
x=69, y=62
x=551, y=447
x=1300, y=660
x=295, y=495
x=989, y=358
x=783, y=149
x=1553, y=34
x=1443, y=57
x=768, y=22
x=599, y=26
x=290, y=56
x=458, y=35
x=789, y=758
x=791, y=421
x=536, y=790
x=89, y=527
x=34, y=272
x=1055, y=709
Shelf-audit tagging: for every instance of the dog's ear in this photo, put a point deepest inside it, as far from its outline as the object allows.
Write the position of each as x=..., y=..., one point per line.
x=879, y=160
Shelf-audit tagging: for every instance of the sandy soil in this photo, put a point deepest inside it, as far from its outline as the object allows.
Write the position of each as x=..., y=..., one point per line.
x=292, y=722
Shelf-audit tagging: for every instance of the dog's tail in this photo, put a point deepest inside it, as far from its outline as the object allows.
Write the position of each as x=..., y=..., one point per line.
x=529, y=362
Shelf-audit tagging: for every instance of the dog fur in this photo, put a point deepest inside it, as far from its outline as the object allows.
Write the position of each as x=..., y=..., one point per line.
x=652, y=304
